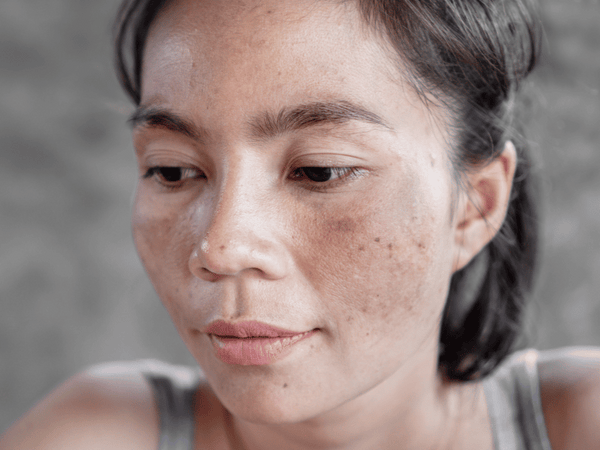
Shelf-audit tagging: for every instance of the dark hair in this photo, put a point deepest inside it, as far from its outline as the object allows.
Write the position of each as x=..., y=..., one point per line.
x=472, y=55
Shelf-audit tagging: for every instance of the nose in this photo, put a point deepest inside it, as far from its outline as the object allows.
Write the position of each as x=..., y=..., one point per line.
x=241, y=235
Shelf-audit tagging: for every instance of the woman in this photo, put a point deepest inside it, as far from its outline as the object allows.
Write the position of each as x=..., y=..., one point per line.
x=335, y=207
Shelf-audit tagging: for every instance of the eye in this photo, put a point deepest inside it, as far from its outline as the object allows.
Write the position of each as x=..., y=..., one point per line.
x=323, y=174
x=173, y=175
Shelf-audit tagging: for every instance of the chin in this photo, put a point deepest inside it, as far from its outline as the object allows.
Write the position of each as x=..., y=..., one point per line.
x=272, y=405
x=266, y=399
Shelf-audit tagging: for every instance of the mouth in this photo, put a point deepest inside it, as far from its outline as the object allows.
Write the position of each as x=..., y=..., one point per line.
x=252, y=343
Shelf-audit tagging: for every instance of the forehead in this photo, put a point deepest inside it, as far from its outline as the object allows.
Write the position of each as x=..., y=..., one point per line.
x=225, y=22
x=239, y=42
x=225, y=60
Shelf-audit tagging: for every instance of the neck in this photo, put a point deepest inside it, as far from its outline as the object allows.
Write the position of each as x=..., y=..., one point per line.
x=412, y=409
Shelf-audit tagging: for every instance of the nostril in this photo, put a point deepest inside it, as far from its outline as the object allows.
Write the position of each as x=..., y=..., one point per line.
x=210, y=276
x=198, y=267
x=207, y=275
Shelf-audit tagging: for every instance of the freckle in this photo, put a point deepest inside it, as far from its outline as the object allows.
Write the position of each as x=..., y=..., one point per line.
x=364, y=309
x=390, y=246
x=377, y=239
x=284, y=385
x=349, y=319
x=361, y=248
x=367, y=334
x=222, y=247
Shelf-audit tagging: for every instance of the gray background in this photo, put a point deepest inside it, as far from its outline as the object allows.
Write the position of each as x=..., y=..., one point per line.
x=72, y=292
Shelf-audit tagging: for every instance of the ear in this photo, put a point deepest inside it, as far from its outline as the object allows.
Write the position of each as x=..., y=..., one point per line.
x=483, y=204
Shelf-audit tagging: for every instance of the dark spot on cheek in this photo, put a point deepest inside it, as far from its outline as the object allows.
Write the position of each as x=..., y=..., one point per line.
x=361, y=248
x=390, y=246
x=349, y=319
x=364, y=309
x=345, y=225
x=285, y=385
x=222, y=247
x=377, y=239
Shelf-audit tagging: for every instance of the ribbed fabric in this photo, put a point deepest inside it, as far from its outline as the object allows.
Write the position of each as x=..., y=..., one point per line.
x=512, y=394
x=515, y=406
x=174, y=388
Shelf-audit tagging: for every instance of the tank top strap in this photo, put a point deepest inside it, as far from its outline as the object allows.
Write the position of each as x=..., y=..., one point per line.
x=515, y=406
x=174, y=388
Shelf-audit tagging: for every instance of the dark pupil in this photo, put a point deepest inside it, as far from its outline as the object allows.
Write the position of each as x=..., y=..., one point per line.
x=171, y=174
x=317, y=173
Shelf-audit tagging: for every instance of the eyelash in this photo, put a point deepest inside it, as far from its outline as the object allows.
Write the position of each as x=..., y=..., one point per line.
x=342, y=174
x=162, y=176
x=308, y=174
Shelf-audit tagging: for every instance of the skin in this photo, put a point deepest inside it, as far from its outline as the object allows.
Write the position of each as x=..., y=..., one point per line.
x=364, y=258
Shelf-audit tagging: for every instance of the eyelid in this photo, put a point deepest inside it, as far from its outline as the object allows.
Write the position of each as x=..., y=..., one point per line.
x=154, y=149
x=187, y=174
x=351, y=173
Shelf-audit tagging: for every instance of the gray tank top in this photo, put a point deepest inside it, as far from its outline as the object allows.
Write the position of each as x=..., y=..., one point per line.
x=512, y=393
x=515, y=405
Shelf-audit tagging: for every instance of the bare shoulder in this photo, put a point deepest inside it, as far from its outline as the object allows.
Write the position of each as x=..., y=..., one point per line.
x=570, y=390
x=106, y=406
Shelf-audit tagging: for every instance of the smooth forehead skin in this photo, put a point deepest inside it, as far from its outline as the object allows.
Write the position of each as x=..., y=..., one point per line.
x=366, y=262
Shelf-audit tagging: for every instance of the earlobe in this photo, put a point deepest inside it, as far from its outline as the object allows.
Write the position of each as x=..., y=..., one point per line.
x=483, y=204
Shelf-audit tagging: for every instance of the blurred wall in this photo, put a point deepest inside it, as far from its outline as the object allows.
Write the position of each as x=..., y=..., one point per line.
x=72, y=292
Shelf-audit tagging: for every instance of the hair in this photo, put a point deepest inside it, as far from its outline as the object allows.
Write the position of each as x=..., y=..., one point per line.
x=472, y=56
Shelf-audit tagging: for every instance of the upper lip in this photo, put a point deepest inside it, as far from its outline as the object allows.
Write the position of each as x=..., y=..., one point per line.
x=247, y=329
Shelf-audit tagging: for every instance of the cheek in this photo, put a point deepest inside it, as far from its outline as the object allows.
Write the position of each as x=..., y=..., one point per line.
x=378, y=263
x=163, y=242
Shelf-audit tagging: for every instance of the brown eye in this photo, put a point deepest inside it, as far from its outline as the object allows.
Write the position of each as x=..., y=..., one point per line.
x=323, y=174
x=317, y=174
x=172, y=175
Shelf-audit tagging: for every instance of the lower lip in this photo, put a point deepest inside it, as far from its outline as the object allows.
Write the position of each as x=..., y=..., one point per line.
x=255, y=351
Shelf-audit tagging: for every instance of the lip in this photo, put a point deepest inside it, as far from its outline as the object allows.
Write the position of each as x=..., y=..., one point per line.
x=252, y=343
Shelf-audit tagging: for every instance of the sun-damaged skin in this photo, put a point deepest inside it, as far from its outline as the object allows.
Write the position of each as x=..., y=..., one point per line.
x=364, y=259
x=360, y=256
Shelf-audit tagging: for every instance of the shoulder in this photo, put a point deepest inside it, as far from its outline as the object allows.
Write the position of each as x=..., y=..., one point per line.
x=106, y=406
x=570, y=392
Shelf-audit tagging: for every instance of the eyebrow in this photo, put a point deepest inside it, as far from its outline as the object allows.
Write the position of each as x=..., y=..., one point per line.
x=311, y=114
x=155, y=117
x=267, y=125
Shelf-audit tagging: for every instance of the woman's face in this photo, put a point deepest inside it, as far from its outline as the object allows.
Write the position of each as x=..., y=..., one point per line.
x=314, y=194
